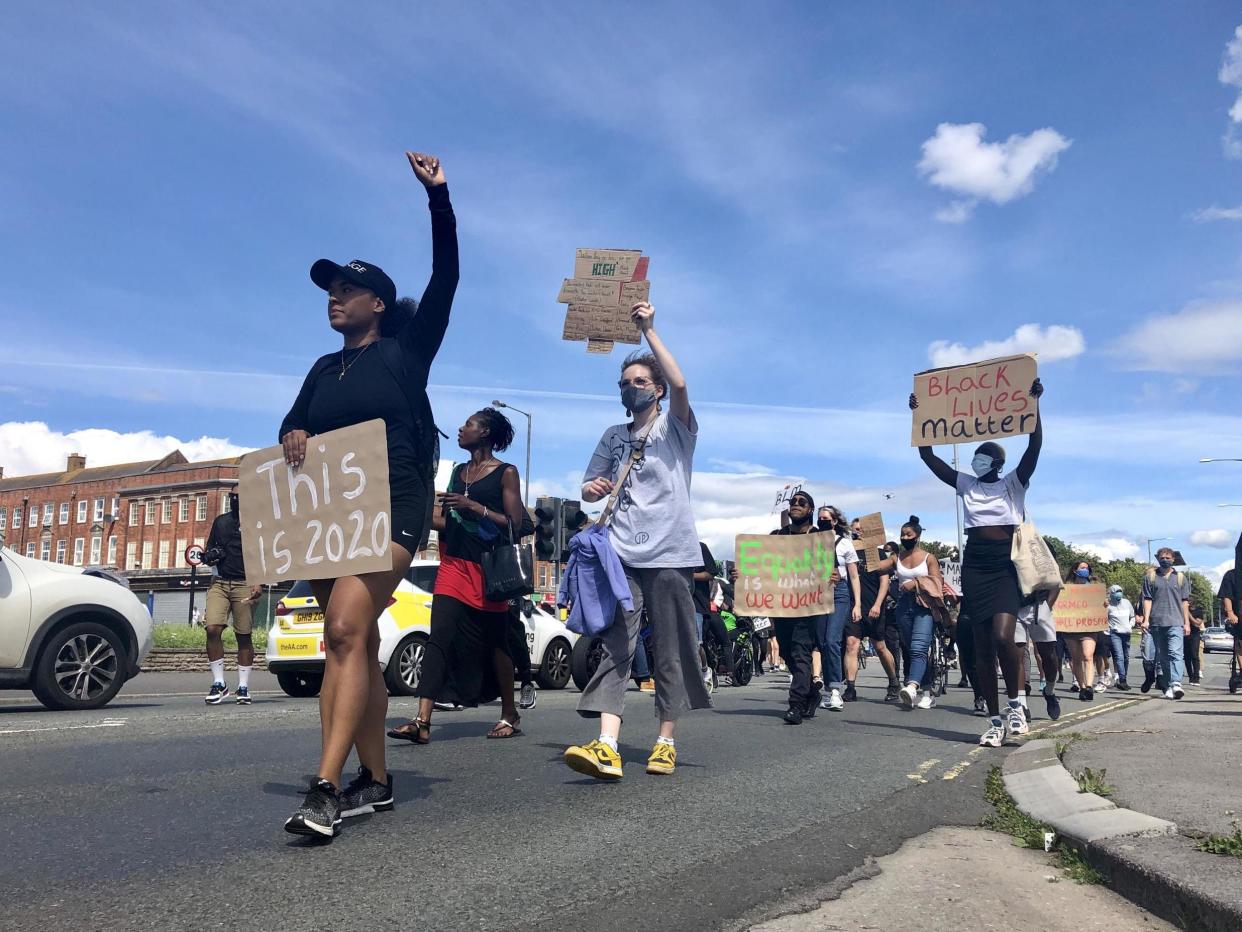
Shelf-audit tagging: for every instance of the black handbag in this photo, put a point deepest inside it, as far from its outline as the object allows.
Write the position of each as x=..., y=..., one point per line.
x=508, y=570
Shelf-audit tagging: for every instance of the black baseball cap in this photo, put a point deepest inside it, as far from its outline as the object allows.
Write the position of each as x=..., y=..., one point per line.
x=360, y=272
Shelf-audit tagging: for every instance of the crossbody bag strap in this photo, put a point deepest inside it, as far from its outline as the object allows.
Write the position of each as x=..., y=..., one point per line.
x=635, y=455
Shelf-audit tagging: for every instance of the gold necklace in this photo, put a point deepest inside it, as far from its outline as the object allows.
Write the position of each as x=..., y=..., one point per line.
x=465, y=472
x=345, y=368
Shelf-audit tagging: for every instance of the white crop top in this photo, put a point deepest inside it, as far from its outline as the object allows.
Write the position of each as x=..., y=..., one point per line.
x=992, y=504
x=906, y=573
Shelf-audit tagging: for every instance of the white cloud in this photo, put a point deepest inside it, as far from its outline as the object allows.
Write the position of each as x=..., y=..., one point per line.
x=1217, y=537
x=1200, y=338
x=1231, y=76
x=1208, y=214
x=957, y=159
x=1108, y=549
x=1052, y=343
x=1216, y=573
x=31, y=447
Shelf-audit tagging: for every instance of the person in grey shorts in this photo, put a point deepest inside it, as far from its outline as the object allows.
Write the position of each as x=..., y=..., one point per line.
x=653, y=533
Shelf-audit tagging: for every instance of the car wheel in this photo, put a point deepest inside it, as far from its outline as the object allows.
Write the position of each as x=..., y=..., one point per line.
x=554, y=670
x=584, y=660
x=405, y=665
x=300, y=685
x=80, y=667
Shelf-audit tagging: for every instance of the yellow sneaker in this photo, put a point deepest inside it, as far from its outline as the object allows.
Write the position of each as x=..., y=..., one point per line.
x=663, y=759
x=595, y=760
x=647, y=685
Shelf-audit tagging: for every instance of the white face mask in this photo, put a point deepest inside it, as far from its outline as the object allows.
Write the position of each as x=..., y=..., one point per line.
x=982, y=465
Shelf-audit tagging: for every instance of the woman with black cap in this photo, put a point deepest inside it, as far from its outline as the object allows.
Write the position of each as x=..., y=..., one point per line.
x=381, y=371
x=994, y=508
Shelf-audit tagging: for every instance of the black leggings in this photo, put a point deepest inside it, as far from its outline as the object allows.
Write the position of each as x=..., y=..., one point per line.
x=966, y=652
x=519, y=650
x=459, y=662
x=714, y=626
x=1190, y=651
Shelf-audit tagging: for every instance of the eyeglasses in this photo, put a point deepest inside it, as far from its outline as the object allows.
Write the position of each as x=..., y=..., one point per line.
x=800, y=501
x=639, y=382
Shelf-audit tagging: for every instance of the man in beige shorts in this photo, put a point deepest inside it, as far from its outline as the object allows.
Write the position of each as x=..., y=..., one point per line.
x=228, y=595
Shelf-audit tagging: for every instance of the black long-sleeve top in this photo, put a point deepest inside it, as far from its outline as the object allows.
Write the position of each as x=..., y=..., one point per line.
x=226, y=535
x=388, y=379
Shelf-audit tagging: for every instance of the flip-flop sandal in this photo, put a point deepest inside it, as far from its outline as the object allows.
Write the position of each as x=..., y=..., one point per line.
x=414, y=735
x=514, y=729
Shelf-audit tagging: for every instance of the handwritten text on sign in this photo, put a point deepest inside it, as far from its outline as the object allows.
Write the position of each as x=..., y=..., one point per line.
x=784, y=575
x=1082, y=609
x=329, y=518
x=984, y=400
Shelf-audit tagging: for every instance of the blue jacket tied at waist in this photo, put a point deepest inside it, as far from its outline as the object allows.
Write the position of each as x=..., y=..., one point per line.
x=593, y=583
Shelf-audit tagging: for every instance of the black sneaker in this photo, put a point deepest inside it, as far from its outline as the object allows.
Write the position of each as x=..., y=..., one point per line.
x=812, y=701
x=529, y=696
x=793, y=716
x=320, y=815
x=963, y=683
x=1053, y=704
x=892, y=694
x=1123, y=686
x=1087, y=694
x=850, y=694
x=1145, y=686
x=219, y=692
x=364, y=795
x=981, y=707
x=243, y=695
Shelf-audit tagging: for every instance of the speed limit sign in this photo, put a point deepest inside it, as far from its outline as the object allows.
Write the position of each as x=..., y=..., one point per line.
x=194, y=555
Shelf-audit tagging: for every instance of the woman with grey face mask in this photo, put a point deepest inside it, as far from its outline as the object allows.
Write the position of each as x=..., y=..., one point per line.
x=994, y=507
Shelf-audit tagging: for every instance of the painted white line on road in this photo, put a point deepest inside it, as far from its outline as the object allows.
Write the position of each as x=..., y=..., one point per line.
x=106, y=723
x=122, y=697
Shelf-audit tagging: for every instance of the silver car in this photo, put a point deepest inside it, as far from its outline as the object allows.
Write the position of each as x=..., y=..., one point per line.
x=1217, y=638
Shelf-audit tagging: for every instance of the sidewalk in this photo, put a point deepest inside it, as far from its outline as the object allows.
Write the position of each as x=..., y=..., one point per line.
x=1174, y=767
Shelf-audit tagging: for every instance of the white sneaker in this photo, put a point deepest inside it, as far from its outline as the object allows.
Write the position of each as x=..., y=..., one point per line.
x=1168, y=693
x=835, y=702
x=908, y=694
x=994, y=737
x=1101, y=687
x=1015, y=722
x=926, y=700
x=1177, y=691
x=1074, y=687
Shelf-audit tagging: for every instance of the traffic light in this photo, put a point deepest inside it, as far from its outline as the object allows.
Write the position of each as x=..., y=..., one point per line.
x=547, y=516
x=572, y=520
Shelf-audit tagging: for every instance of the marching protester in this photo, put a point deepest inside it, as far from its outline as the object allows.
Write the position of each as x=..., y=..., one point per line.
x=1081, y=646
x=709, y=622
x=877, y=624
x=469, y=644
x=1192, y=645
x=1120, y=625
x=846, y=608
x=920, y=591
x=994, y=507
x=381, y=371
x=1230, y=595
x=229, y=595
x=652, y=531
x=1037, y=627
x=1166, y=607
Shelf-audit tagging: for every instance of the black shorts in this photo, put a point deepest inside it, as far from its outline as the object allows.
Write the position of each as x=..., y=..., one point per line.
x=854, y=629
x=411, y=518
x=880, y=629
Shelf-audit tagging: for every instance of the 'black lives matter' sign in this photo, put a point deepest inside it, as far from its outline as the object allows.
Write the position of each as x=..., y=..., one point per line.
x=981, y=401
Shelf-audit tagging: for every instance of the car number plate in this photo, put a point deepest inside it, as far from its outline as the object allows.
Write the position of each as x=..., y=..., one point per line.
x=300, y=647
x=761, y=624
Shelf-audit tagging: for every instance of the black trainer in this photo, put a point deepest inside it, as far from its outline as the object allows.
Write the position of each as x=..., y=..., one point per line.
x=219, y=692
x=893, y=692
x=320, y=814
x=1053, y=704
x=812, y=701
x=364, y=795
x=850, y=694
x=793, y=716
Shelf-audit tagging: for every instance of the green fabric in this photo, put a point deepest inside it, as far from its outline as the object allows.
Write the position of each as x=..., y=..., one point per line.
x=730, y=622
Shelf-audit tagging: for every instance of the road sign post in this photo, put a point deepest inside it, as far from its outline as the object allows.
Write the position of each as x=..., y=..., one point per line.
x=194, y=557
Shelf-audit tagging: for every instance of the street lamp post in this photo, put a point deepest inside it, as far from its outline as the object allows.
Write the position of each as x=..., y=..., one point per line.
x=1219, y=459
x=529, y=419
x=1149, y=543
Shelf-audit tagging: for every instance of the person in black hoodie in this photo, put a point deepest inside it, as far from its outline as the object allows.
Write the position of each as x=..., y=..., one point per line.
x=1230, y=596
x=381, y=371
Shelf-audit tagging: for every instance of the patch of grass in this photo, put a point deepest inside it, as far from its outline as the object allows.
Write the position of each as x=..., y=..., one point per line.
x=1008, y=818
x=1077, y=868
x=1228, y=845
x=1066, y=739
x=1092, y=781
x=169, y=635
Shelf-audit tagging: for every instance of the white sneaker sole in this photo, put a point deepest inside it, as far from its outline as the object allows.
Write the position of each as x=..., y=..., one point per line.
x=907, y=700
x=296, y=826
x=385, y=805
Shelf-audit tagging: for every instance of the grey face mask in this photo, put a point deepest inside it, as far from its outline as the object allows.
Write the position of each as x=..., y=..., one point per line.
x=637, y=399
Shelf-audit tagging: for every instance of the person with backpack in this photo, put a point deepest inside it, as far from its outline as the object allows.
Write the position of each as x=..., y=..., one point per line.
x=381, y=371
x=1166, y=606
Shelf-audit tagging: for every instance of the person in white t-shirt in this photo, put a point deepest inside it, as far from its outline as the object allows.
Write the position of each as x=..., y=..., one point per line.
x=1120, y=629
x=846, y=607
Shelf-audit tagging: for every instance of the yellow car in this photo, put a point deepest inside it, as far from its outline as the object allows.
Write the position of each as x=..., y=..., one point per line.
x=295, y=643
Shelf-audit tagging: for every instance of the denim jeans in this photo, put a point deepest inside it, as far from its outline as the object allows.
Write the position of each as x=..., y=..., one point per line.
x=830, y=630
x=1169, y=653
x=1147, y=648
x=1120, y=647
x=915, y=624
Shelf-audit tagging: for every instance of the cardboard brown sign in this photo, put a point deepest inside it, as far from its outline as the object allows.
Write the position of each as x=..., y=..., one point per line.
x=602, y=323
x=619, y=265
x=980, y=401
x=871, y=529
x=599, y=346
x=327, y=519
x=607, y=283
x=1082, y=609
x=784, y=575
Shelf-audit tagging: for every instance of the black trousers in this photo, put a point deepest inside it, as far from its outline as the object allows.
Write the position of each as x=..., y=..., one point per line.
x=714, y=626
x=519, y=650
x=796, y=637
x=1190, y=652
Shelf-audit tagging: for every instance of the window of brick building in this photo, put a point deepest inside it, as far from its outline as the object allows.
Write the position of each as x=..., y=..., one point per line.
x=34, y=516
x=224, y=502
x=163, y=555
x=49, y=511
x=64, y=513
x=148, y=549
x=148, y=513
x=200, y=510
x=61, y=547
x=183, y=509
x=131, y=555
x=82, y=511
x=17, y=516
x=115, y=510
x=112, y=550
x=133, y=514
x=167, y=506
x=99, y=512
x=79, y=548
x=45, y=550
x=30, y=547
x=179, y=555
x=96, y=549
x=4, y=517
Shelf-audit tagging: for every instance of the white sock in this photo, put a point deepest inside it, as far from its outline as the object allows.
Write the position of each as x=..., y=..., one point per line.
x=1022, y=700
x=243, y=676
x=669, y=741
x=608, y=740
x=217, y=671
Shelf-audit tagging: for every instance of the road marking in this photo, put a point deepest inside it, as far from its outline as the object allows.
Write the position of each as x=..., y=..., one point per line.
x=958, y=769
x=920, y=774
x=106, y=723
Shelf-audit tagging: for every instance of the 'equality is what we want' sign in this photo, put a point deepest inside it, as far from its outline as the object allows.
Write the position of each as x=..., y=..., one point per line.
x=784, y=575
x=329, y=518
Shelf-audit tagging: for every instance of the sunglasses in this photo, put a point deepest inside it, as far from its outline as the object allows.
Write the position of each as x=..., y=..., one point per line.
x=639, y=382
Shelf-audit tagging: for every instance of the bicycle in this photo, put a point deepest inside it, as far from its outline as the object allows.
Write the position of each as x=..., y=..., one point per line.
x=938, y=660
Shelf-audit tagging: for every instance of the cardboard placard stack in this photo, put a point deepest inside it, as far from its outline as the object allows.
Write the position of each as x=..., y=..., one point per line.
x=606, y=284
x=871, y=527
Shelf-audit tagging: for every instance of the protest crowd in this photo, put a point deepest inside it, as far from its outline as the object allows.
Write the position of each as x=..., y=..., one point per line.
x=814, y=598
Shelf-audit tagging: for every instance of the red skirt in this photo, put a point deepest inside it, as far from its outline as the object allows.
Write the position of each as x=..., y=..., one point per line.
x=463, y=580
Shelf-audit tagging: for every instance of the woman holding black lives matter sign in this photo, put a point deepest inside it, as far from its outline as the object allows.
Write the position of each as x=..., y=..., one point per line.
x=994, y=508
x=381, y=371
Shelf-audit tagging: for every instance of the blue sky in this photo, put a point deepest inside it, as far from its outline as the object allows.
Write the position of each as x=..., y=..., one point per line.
x=820, y=211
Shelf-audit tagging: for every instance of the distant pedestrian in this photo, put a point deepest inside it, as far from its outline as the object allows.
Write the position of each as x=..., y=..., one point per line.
x=839, y=633
x=1121, y=620
x=1193, y=644
x=1230, y=595
x=1082, y=646
x=1166, y=606
x=229, y=597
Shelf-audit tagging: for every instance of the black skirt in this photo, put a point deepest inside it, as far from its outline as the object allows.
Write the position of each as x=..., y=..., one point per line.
x=989, y=580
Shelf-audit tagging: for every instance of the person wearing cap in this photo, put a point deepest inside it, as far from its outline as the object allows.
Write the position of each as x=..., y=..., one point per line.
x=381, y=371
x=1120, y=628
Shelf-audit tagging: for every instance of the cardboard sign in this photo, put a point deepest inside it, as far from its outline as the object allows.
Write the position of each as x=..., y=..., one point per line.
x=329, y=518
x=951, y=571
x=607, y=283
x=981, y=401
x=599, y=346
x=588, y=322
x=871, y=527
x=1082, y=609
x=784, y=575
x=783, y=496
x=620, y=265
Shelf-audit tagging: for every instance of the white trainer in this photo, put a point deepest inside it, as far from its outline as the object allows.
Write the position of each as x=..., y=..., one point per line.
x=908, y=694
x=994, y=737
x=835, y=702
x=1015, y=722
x=926, y=700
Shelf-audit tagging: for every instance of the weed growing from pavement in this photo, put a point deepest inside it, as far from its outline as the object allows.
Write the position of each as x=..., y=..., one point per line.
x=1077, y=868
x=1230, y=845
x=1066, y=739
x=1092, y=781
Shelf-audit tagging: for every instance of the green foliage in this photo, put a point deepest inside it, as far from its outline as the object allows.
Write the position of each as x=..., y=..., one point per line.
x=1077, y=868
x=938, y=550
x=1230, y=845
x=1091, y=781
x=1008, y=818
x=1067, y=738
x=185, y=636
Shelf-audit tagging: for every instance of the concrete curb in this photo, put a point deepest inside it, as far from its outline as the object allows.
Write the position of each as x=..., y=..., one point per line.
x=1141, y=857
x=191, y=660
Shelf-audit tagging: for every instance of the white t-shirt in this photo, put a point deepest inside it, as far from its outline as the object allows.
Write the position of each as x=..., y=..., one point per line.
x=846, y=554
x=653, y=526
x=992, y=504
x=1121, y=617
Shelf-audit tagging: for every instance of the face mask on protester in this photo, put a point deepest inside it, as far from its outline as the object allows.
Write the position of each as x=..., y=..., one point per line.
x=824, y=524
x=981, y=465
x=909, y=543
x=1114, y=597
x=1082, y=573
x=637, y=399
x=1166, y=563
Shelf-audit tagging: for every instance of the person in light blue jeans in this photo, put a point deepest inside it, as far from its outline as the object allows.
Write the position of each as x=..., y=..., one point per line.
x=914, y=622
x=1166, y=606
x=846, y=605
x=1120, y=626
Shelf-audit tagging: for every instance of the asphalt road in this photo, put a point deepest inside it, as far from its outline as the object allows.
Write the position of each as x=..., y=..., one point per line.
x=158, y=812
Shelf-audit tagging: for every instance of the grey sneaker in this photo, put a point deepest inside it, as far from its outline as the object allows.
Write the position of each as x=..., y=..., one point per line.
x=319, y=815
x=365, y=795
x=529, y=696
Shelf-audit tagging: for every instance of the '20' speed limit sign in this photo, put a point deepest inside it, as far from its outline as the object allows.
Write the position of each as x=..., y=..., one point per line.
x=194, y=555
